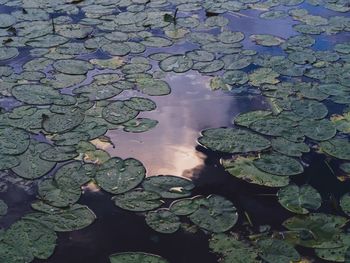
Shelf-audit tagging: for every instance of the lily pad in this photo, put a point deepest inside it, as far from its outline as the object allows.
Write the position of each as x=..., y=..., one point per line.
x=59, y=154
x=345, y=203
x=140, y=104
x=73, y=67
x=247, y=118
x=299, y=199
x=309, y=109
x=338, y=148
x=163, y=221
x=176, y=63
x=278, y=164
x=139, y=125
x=168, y=186
x=294, y=149
x=276, y=251
x=243, y=168
x=153, y=87
x=233, y=140
x=138, y=200
x=31, y=165
x=184, y=207
x=136, y=257
x=215, y=214
x=118, y=176
x=117, y=113
x=13, y=141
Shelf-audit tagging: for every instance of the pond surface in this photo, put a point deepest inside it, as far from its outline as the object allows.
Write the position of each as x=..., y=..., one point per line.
x=175, y=131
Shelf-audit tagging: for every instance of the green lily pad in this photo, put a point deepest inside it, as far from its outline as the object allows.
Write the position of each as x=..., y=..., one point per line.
x=247, y=118
x=8, y=162
x=176, y=63
x=342, y=122
x=235, y=77
x=315, y=230
x=215, y=214
x=35, y=94
x=299, y=199
x=263, y=76
x=345, y=203
x=338, y=148
x=59, y=154
x=168, y=186
x=229, y=37
x=140, y=104
x=184, y=207
x=31, y=165
x=266, y=40
x=309, y=109
x=60, y=123
x=319, y=130
x=7, y=20
x=233, y=140
x=8, y=53
x=116, y=49
x=13, y=141
x=163, y=221
x=73, y=67
x=338, y=254
x=139, y=125
x=209, y=67
x=153, y=87
x=65, y=220
x=138, y=200
x=276, y=251
x=25, y=240
x=278, y=164
x=118, y=176
x=243, y=168
x=294, y=149
x=117, y=113
x=136, y=257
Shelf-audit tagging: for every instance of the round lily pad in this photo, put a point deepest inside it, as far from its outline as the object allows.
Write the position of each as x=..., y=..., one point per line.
x=31, y=165
x=233, y=140
x=294, y=149
x=35, y=94
x=139, y=125
x=163, y=221
x=118, y=176
x=153, y=87
x=8, y=162
x=266, y=40
x=309, y=109
x=299, y=199
x=345, y=203
x=117, y=112
x=59, y=154
x=184, y=207
x=339, y=254
x=319, y=130
x=243, y=168
x=176, y=63
x=247, y=118
x=138, y=200
x=278, y=164
x=73, y=67
x=215, y=214
x=7, y=20
x=168, y=186
x=338, y=148
x=8, y=53
x=276, y=251
x=60, y=123
x=140, y=104
x=13, y=141
x=136, y=257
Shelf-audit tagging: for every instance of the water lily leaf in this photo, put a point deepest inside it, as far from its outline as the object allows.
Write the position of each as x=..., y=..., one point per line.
x=315, y=230
x=116, y=49
x=153, y=87
x=184, y=207
x=138, y=200
x=263, y=76
x=236, y=61
x=209, y=67
x=199, y=55
x=215, y=214
x=25, y=240
x=229, y=37
x=266, y=40
x=299, y=199
x=72, y=67
x=294, y=149
x=117, y=113
x=59, y=154
x=276, y=251
x=338, y=148
x=345, y=204
x=232, y=250
x=342, y=122
x=233, y=140
x=8, y=162
x=243, y=168
x=65, y=220
x=319, y=130
x=31, y=165
x=35, y=94
x=235, y=77
x=176, y=63
x=13, y=141
x=139, y=125
x=95, y=91
x=309, y=109
x=163, y=221
x=136, y=257
x=335, y=254
x=118, y=176
x=247, y=118
x=8, y=53
x=60, y=123
x=140, y=104
x=168, y=186
x=7, y=20
x=278, y=164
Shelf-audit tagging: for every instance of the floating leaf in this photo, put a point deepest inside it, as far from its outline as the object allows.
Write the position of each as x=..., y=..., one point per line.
x=163, y=221
x=276, y=251
x=345, y=203
x=338, y=148
x=135, y=257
